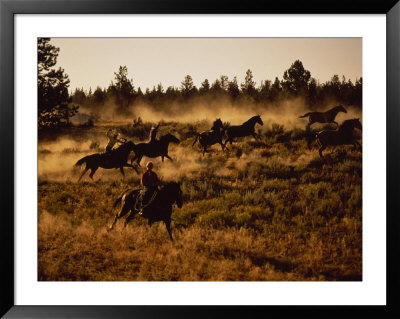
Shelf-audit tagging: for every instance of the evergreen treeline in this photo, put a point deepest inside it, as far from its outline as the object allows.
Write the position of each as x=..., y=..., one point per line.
x=296, y=82
x=56, y=106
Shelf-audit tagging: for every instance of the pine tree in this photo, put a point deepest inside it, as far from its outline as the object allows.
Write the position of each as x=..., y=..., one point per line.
x=249, y=86
x=187, y=86
x=205, y=87
x=233, y=88
x=124, y=89
x=54, y=109
x=296, y=78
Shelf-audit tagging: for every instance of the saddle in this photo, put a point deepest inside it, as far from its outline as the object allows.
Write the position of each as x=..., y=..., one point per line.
x=145, y=198
x=108, y=155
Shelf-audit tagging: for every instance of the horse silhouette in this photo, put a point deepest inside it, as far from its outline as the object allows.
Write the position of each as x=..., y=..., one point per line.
x=343, y=136
x=158, y=209
x=324, y=117
x=247, y=128
x=211, y=137
x=154, y=149
x=115, y=159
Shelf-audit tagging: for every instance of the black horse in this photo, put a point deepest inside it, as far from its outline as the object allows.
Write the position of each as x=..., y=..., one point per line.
x=343, y=136
x=158, y=209
x=211, y=137
x=115, y=159
x=324, y=117
x=247, y=128
x=154, y=149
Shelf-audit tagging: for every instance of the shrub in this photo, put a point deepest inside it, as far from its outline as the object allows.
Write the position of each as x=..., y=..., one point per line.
x=217, y=218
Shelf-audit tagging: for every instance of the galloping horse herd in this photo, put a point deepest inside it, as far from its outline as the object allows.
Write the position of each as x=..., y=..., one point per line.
x=161, y=207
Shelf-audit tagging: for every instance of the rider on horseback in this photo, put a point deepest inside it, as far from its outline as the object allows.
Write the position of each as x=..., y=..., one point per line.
x=153, y=133
x=113, y=138
x=150, y=183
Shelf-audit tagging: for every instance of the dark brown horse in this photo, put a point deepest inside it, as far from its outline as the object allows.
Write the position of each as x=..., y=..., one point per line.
x=247, y=128
x=115, y=159
x=343, y=136
x=154, y=149
x=324, y=117
x=158, y=209
x=211, y=137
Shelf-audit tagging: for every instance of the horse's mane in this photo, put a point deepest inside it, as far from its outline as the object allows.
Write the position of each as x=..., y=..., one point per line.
x=165, y=136
x=168, y=185
x=348, y=124
x=124, y=145
x=251, y=119
x=171, y=183
x=169, y=136
x=337, y=107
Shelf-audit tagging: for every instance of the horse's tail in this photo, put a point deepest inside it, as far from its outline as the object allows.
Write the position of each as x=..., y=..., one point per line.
x=81, y=161
x=305, y=115
x=125, y=194
x=195, y=140
x=118, y=200
x=317, y=138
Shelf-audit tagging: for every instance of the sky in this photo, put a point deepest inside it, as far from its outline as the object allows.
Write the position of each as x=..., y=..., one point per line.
x=91, y=62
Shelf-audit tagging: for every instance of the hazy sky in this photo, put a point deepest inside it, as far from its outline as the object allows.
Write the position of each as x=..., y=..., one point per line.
x=91, y=62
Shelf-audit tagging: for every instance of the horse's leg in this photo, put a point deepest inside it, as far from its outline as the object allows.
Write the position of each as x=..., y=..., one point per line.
x=133, y=159
x=162, y=158
x=309, y=140
x=168, y=226
x=321, y=149
x=318, y=142
x=130, y=165
x=80, y=177
x=122, y=171
x=130, y=217
x=139, y=158
x=121, y=213
x=93, y=170
x=167, y=156
x=337, y=124
x=204, y=149
x=226, y=141
x=255, y=136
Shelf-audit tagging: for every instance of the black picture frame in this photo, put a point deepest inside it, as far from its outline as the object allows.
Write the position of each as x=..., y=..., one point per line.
x=7, y=11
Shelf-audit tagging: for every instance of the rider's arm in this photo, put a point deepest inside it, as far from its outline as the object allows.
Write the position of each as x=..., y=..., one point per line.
x=110, y=134
x=143, y=179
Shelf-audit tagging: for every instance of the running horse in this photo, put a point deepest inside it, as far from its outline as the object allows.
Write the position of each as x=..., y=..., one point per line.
x=343, y=136
x=154, y=149
x=159, y=208
x=211, y=137
x=115, y=159
x=247, y=128
x=323, y=117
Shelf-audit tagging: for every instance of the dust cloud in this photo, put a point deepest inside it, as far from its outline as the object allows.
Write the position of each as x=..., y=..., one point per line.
x=285, y=113
x=56, y=157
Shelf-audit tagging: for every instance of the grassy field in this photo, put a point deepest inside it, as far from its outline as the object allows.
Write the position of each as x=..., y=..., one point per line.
x=267, y=210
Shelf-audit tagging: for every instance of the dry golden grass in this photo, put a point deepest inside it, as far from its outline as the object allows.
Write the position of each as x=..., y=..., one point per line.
x=269, y=210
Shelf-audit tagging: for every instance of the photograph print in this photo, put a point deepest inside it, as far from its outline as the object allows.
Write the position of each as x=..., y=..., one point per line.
x=199, y=159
